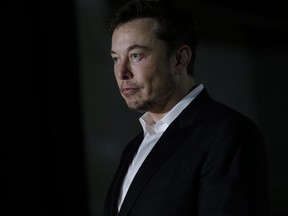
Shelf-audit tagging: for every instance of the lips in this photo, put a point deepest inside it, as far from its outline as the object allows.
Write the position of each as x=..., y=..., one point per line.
x=129, y=91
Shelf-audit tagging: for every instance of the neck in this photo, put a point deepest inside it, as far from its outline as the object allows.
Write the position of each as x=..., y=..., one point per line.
x=181, y=91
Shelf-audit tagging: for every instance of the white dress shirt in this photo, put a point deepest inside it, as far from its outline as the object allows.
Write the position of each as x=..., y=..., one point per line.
x=152, y=132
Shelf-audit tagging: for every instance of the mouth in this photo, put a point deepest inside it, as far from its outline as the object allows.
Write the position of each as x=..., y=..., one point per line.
x=129, y=91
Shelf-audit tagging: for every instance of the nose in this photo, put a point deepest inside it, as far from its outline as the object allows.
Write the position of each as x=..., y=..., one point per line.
x=124, y=71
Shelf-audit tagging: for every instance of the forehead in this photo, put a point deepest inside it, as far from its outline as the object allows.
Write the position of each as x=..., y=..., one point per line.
x=139, y=31
x=139, y=23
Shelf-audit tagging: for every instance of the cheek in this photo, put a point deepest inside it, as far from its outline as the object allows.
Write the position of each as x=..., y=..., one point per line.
x=155, y=84
x=149, y=77
x=151, y=73
x=119, y=82
x=142, y=73
x=116, y=71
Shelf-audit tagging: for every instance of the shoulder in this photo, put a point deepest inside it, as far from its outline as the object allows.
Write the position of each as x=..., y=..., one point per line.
x=215, y=121
x=205, y=110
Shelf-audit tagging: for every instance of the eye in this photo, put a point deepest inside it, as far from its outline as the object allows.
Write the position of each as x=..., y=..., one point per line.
x=115, y=59
x=136, y=57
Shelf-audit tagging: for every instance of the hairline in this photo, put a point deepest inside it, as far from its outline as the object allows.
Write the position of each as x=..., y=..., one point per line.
x=156, y=29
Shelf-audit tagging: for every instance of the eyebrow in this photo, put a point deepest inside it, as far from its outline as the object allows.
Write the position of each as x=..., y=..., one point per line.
x=135, y=46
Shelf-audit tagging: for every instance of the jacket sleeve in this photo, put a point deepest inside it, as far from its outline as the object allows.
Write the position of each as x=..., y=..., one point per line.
x=234, y=177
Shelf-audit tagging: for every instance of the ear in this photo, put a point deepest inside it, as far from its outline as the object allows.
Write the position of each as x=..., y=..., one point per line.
x=183, y=57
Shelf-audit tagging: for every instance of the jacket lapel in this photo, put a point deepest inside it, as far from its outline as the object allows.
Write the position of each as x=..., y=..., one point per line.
x=114, y=191
x=171, y=138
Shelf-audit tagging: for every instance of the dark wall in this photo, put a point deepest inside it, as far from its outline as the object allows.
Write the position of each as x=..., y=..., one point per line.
x=42, y=161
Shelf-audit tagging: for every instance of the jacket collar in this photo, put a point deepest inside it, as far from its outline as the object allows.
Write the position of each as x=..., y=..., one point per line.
x=166, y=145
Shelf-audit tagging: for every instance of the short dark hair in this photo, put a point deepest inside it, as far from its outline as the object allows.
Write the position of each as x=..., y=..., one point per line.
x=176, y=26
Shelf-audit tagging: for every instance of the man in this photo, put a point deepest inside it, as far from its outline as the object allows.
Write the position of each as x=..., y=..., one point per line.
x=194, y=156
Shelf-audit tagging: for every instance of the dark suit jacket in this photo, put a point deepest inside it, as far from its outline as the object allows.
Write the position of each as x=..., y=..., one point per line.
x=211, y=160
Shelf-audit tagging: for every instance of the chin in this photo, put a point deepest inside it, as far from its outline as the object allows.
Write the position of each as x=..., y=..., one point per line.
x=144, y=106
x=136, y=106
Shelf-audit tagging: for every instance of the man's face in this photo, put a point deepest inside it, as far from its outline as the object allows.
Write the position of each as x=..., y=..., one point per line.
x=141, y=66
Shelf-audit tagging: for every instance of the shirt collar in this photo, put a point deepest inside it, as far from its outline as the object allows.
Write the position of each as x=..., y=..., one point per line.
x=151, y=127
